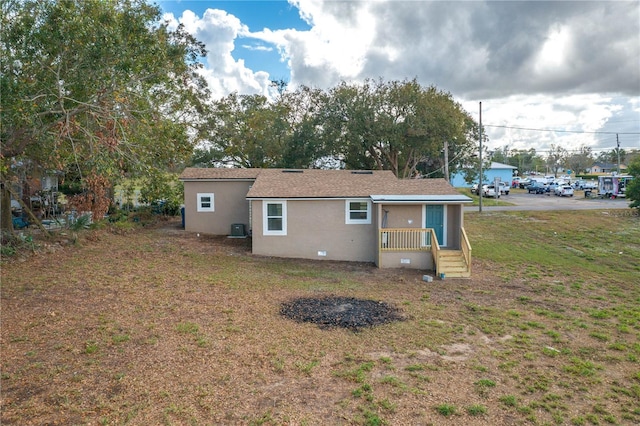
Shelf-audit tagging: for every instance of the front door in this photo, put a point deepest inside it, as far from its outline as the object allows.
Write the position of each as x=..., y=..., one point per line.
x=435, y=219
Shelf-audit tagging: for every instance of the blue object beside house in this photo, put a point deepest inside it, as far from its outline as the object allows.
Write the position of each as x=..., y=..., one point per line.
x=497, y=170
x=19, y=223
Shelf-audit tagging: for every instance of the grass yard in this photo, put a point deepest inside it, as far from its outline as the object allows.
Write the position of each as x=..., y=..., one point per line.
x=157, y=326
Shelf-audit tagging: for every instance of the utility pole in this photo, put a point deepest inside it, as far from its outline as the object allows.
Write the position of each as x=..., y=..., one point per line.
x=479, y=191
x=618, y=143
x=446, y=160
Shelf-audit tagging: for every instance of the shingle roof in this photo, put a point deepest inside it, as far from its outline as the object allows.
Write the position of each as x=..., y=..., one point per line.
x=315, y=183
x=198, y=173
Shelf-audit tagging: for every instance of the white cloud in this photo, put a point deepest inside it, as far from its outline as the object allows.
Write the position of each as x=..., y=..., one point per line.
x=525, y=122
x=257, y=47
x=218, y=31
x=544, y=65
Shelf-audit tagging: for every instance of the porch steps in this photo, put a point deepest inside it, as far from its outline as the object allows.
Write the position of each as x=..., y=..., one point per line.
x=453, y=264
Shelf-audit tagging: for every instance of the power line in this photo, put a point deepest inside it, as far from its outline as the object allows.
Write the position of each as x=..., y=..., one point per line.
x=561, y=131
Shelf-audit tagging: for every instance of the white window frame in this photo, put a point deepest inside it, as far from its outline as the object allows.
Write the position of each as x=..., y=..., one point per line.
x=265, y=218
x=202, y=195
x=347, y=212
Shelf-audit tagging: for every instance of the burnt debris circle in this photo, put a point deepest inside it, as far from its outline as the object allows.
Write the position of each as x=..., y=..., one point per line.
x=345, y=312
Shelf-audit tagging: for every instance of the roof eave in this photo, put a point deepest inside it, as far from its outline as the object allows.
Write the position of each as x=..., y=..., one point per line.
x=462, y=199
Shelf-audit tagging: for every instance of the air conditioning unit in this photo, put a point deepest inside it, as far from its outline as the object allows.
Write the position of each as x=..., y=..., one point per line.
x=237, y=230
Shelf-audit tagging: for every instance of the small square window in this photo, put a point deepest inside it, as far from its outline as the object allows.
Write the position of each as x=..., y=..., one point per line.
x=206, y=203
x=358, y=211
x=275, y=218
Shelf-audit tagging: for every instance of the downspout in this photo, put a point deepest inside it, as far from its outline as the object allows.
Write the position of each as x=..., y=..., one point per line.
x=250, y=217
x=378, y=239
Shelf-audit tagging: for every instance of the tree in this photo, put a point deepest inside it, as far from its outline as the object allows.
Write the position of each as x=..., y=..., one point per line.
x=581, y=160
x=526, y=160
x=243, y=130
x=556, y=158
x=398, y=126
x=305, y=144
x=502, y=155
x=251, y=131
x=612, y=156
x=101, y=88
x=632, y=191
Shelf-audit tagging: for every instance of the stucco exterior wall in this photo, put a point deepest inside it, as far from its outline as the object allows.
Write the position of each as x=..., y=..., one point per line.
x=417, y=260
x=315, y=226
x=230, y=206
x=403, y=216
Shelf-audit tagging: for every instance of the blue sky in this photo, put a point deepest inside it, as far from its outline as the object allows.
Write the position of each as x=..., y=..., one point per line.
x=567, y=65
x=257, y=15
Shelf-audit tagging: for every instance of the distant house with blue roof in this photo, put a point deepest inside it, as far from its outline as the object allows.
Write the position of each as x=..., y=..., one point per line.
x=497, y=170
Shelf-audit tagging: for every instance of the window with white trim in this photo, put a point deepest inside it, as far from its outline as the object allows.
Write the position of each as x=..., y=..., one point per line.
x=275, y=217
x=205, y=202
x=358, y=211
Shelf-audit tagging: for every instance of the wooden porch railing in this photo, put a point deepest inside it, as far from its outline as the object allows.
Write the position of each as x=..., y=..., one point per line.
x=435, y=250
x=406, y=239
x=420, y=239
x=466, y=247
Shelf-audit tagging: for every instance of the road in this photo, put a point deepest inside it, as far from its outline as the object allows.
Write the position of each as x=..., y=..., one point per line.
x=524, y=201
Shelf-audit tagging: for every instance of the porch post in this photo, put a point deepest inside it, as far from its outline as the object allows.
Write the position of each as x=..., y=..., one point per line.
x=378, y=225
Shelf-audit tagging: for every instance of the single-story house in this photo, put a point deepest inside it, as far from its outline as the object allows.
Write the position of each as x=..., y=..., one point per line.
x=606, y=168
x=346, y=215
x=504, y=172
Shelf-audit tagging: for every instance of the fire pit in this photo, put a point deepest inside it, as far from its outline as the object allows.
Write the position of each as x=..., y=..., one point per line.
x=345, y=312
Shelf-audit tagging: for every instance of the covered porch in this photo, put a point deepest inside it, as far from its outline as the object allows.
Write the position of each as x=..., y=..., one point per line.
x=423, y=234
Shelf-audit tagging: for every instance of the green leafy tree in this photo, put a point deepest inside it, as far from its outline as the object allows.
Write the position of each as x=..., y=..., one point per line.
x=526, y=160
x=305, y=144
x=611, y=156
x=580, y=161
x=162, y=191
x=502, y=155
x=556, y=158
x=631, y=155
x=100, y=89
x=251, y=131
x=242, y=130
x=632, y=191
x=398, y=126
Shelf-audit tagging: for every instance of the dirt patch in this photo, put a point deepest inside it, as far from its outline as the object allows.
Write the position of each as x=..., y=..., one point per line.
x=345, y=312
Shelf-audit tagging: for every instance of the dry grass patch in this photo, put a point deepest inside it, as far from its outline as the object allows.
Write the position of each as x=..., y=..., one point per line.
x=159, y=326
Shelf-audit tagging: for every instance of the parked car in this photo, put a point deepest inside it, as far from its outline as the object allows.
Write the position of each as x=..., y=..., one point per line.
x=515, y=181
x=490, y=191
x=536, y=187
x=564, y=191
x=504, y=188
x=584, y=184
x=524, y=183
x=551, y=187
x=474, y=188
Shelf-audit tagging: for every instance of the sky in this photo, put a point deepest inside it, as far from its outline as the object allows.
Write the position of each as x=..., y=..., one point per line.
x=562, y=73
